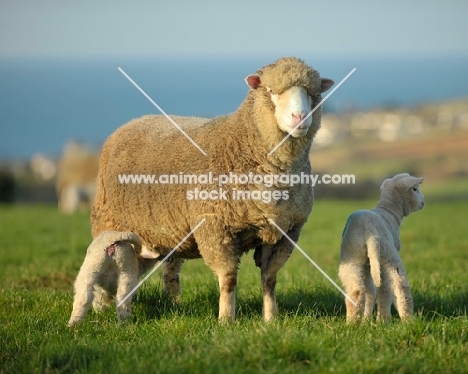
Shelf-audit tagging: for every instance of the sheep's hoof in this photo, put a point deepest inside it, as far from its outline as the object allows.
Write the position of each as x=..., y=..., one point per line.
x=225, y=320
x=269, y=319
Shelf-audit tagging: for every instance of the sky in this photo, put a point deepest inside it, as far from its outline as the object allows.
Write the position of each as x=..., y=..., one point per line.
x=70, y=29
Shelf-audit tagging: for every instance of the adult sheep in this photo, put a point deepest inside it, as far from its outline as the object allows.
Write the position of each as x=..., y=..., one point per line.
x=281, y=95
x=76, y=177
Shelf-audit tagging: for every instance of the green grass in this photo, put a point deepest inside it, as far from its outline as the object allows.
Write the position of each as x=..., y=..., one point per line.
x=42, y=251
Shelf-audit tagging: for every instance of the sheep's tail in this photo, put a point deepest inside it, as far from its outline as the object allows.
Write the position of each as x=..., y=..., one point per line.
x=373, y=252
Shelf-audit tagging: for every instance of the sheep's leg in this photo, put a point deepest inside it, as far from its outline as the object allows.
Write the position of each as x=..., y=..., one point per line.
x=370, y=297
x=402, y=292
x=224, y=264
x=84, y=294
x=273, y=259
x=220, y=255
x=227, y=298
x=171, y=277
x=268, y=276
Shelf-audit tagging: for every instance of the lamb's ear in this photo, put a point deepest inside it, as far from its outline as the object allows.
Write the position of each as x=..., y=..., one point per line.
x=409, y=182
x=384, y=183
x=326, y=84
x=253, y=81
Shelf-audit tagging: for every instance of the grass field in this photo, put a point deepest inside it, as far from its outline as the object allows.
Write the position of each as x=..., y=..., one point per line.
x=42, y=252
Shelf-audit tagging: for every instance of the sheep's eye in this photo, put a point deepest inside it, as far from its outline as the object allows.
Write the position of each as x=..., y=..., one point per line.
x=415, y=189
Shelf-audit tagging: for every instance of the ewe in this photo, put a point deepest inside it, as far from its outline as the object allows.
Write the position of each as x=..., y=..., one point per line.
x=76, y=178
x=113, y=263
x=281, y=95
x=369, y=252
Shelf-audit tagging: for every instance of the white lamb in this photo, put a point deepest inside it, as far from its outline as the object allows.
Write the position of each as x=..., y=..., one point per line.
x=111, y=269
x=369, y=252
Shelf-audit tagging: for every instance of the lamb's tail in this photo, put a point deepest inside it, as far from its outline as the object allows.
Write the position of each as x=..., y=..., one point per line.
x=107, y=239
x=373, y=252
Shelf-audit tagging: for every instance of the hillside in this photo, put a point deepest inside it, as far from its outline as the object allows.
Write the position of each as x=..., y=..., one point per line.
x=440, y=156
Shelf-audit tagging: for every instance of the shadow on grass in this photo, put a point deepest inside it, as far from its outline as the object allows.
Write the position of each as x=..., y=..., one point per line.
x=56, y=281
x=451, y=305
x=152, y=303
x=318, y=302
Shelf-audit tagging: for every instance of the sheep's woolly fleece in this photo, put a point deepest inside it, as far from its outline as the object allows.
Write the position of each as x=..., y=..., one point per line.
x=288, y=73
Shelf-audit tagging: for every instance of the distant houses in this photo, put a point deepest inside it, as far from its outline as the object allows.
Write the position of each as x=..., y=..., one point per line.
x=391, y=124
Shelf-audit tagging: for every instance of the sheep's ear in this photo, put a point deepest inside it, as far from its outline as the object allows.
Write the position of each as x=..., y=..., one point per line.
x=410, y=182
x=326, y=84
x=253, y=81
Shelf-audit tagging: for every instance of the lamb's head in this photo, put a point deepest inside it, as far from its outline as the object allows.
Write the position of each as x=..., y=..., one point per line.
x=404, y=189
x=292, y=89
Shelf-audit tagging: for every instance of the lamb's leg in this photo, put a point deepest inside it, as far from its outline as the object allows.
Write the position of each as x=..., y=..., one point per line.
x=126, y=283
x=171, y=277
x=402, y=292
x=102, y=299
x=354, y=312
x=384, y=297
x=127, y=280
x=273, y=259
x=370, y=297
x=353, y=281
x=84, y=294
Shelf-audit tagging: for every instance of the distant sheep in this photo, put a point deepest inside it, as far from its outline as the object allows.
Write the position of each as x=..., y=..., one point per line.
x=281, y=95
x=111, y=270
x=370, y=252
x=76, y=178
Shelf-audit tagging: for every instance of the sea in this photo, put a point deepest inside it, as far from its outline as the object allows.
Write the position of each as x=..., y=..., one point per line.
x=44, y=103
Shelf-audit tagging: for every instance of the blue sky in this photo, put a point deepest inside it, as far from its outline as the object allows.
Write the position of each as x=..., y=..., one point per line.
x=51, y=28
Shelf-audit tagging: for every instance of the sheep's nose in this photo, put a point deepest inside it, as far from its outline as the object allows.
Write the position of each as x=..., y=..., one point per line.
x=297, y=118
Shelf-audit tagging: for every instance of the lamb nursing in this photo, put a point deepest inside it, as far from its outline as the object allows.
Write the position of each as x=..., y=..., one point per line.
x=281, y=96
x=114, y=261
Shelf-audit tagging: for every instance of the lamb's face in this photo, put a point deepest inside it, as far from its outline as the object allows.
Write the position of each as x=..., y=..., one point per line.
x=291, y=110
x=416, y=198
x=404, y=189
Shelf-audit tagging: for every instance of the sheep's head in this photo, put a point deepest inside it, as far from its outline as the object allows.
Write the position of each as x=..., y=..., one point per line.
x=293, y=89
x=404, y=187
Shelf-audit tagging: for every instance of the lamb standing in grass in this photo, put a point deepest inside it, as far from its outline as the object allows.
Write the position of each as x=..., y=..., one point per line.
x=370, y=252
x=281, y=95
x=113, y=263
